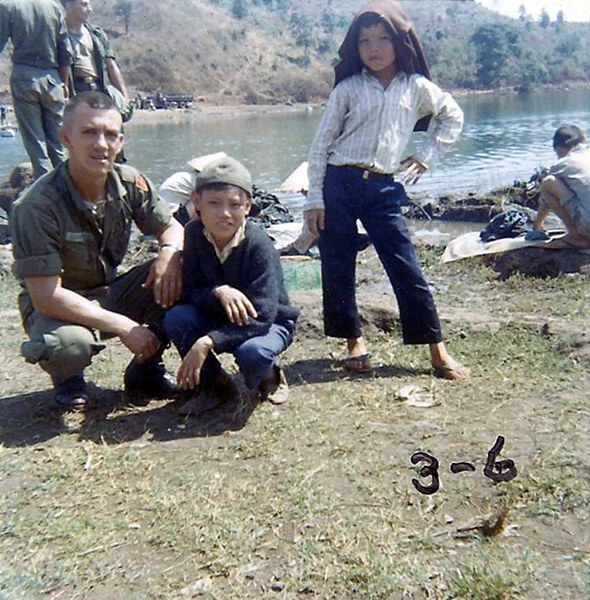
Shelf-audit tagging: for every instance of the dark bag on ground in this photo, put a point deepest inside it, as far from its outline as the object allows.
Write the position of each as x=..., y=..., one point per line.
x=509, y=224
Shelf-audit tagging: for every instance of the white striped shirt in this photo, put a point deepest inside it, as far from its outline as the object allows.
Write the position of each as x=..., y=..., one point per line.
x=370, y=126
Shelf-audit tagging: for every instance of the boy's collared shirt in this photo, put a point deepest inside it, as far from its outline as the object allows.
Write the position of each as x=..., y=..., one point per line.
x=367, y=125
x=238, y=238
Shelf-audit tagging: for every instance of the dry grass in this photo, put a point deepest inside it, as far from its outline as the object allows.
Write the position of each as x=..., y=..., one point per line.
x=313, y=498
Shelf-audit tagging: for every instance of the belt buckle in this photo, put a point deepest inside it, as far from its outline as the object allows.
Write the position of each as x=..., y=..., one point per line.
x=366, y=174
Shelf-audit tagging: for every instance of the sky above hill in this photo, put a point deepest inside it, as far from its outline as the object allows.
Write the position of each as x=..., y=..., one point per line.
x=573, y=10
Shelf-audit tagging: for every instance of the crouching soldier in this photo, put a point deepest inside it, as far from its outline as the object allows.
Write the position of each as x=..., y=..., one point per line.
x=70, y=233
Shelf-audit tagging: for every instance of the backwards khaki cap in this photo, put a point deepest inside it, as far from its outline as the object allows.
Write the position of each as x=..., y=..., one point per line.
x=225, y=170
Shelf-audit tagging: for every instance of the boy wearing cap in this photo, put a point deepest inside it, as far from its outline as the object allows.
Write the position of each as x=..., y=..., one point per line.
x=234, y=298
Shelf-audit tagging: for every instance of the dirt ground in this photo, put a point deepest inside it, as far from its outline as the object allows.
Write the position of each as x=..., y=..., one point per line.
x=315, y=498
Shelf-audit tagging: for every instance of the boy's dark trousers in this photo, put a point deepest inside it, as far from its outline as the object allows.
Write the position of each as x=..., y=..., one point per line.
x=376, y=202
x=185, y=324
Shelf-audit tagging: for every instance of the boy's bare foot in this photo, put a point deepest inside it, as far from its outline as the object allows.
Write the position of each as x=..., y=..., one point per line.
x=358, y=359
x=454, y=371
x=445, y=366
x=274, y=386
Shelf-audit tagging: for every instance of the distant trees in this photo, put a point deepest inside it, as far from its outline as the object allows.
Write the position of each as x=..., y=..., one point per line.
x=497, y=46
x=239, y=9
x=466, y=46
x=124, y=8
x=560, y=19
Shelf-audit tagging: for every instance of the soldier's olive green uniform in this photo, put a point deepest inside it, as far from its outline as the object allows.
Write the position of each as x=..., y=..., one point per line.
x=39, y=36
x=101, y=52
x=55, y=232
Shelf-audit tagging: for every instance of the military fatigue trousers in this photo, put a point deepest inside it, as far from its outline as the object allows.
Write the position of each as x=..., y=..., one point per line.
x=39, y=101
x=64, y=349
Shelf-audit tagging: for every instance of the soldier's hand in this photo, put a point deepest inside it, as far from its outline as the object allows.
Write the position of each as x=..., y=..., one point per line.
x=141, y=341
x=165, y=277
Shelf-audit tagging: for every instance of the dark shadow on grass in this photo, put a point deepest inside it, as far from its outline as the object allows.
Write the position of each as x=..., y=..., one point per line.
x=324, y=370
x=31, y=419
x=28, y=419
x=163, y=423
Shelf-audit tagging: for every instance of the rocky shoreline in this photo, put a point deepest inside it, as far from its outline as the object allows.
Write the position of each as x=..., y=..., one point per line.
x=467, y=208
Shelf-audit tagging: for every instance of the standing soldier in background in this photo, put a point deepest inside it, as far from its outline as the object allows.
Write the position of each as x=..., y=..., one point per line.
x=94, y=67
x=41, y=68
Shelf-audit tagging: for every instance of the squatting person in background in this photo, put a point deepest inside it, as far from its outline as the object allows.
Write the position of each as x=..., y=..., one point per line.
x=566, y=190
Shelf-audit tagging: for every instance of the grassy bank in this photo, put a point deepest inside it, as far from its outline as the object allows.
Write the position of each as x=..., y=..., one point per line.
x=314, y=499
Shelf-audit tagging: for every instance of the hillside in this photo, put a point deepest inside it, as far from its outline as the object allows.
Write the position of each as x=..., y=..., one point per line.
x=276, y=51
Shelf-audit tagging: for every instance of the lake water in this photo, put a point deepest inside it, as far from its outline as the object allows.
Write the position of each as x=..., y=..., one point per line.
x=505, y=138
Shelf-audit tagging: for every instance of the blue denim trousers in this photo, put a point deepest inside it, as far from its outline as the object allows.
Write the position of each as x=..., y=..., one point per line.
x=376, y=203
x=185, y=324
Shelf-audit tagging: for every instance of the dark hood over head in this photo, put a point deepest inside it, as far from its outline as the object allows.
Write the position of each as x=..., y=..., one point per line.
x=409, y=55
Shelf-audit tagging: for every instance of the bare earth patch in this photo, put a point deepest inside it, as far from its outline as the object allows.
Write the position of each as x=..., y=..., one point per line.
x=314, y=499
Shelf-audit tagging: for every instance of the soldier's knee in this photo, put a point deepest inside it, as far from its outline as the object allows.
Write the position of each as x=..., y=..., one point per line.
x=62, y=353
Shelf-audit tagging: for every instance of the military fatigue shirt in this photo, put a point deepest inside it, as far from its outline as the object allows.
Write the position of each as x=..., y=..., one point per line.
x=38, y=32
x=100, y=53
x=54, y=232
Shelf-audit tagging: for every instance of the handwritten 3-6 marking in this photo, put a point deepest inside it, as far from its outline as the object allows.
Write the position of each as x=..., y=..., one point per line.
x=496, y=470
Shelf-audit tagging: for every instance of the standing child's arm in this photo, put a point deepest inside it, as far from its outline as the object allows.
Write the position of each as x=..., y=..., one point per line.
x=446, y=124
x=329, y=129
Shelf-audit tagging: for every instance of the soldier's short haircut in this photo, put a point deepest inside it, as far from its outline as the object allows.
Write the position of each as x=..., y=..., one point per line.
x=96, y=100
x=568, y=136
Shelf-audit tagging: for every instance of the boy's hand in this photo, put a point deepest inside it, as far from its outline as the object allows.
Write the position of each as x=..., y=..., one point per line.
x=315, y=220
x=412, y=169
x=189, y=372
x=236, y=305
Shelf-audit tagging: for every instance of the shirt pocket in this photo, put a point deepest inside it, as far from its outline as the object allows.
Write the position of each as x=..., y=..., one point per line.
x=79, y=261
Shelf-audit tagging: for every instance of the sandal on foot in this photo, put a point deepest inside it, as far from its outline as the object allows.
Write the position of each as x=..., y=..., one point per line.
x=275, y=390
x=454, y=372
x=358, y=364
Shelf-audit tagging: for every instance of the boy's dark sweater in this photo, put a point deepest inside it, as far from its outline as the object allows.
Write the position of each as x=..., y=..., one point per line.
x=253, y=267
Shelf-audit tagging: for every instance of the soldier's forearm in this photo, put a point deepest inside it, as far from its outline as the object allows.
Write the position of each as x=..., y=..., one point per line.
x=66, y=305
x=115, y=76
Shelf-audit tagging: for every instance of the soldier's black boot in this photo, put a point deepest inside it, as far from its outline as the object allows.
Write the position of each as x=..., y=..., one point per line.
x=149, y=380
x=70, y=394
